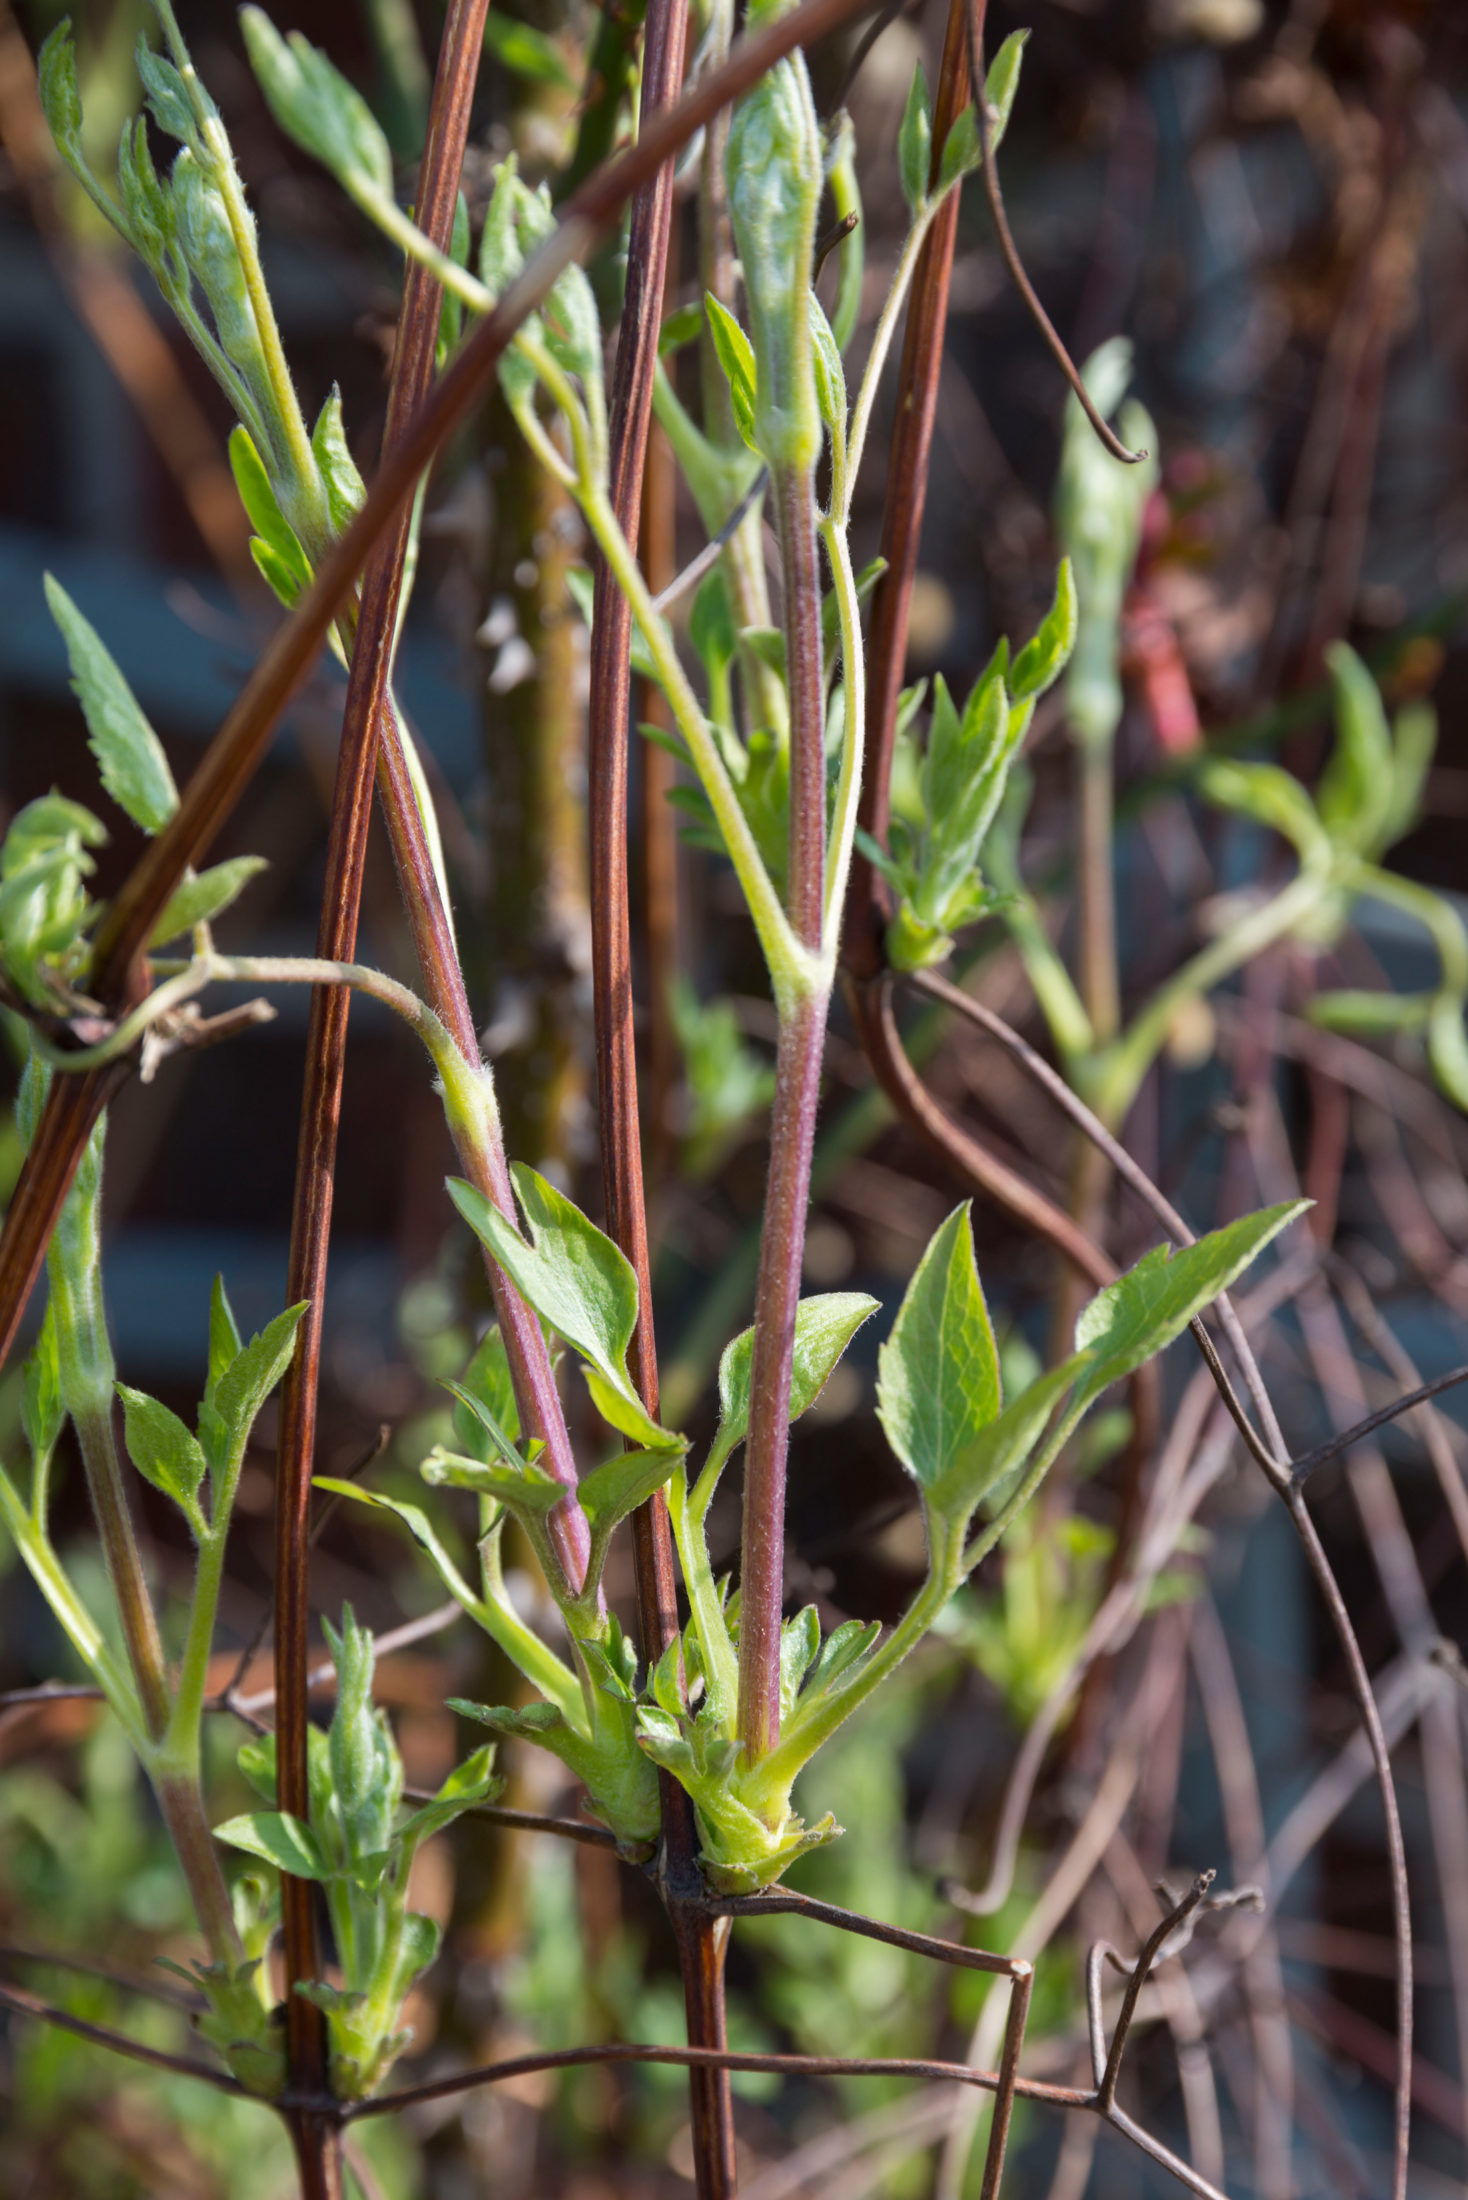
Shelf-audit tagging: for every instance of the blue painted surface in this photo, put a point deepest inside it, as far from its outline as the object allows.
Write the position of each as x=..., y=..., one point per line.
x=187, y=679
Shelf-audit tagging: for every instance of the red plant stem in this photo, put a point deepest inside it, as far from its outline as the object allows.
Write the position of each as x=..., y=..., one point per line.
x=777, y=1295
x=236, y=752
x=541, y=1412
x=902, y=519
x=317, y=2140
x=660, y=836
x=881, y=1042
x=792, y=1132
x=701, y=1940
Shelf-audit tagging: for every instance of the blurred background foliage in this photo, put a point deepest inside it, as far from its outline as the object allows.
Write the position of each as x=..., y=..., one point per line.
x=1271, y=200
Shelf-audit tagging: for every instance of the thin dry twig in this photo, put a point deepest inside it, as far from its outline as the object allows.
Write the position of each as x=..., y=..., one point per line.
x=1109, y=440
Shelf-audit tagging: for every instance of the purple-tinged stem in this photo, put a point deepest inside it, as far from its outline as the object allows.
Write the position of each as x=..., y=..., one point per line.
x=792, y=1133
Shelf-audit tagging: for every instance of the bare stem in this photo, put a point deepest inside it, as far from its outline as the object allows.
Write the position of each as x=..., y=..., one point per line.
x=782, y=1245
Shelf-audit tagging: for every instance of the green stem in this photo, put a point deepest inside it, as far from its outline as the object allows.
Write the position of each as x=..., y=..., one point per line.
x=76, y=1622
x=809, y=1731
x=87, y=1374
x=866, y=397
x=789, y=962
x=495, y=1613
x=1436, y=916
x=848, y=785
x=689, y=1512
x=301, y=457
x=1034, y=1475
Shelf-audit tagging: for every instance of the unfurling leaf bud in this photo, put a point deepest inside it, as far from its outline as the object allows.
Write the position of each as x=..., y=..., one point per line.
x=775, y=169
x=366, y=1773
x=315, y=105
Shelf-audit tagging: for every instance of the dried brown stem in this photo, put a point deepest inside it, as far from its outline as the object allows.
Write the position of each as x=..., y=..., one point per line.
x=28, y=2005
x=1015, y=264
x=876, y=1024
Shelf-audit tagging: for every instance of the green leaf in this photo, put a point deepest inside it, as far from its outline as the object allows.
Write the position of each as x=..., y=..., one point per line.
x=576, y=1279
x=915, y=140
x=366, y=1770
x=129, y=753
x=736, y=356
x=60, y=100
x=167, y=95
x=526, y=52
x=999, y=1451
x=527, y=1490
x=254, y=1372
x=665, y=1682
x=206, y=896
x=261, y=506
x=416, y=1521
x=800, y=1640
x=42, y=1413
x=44, y=911
x=147, y=205
x=938, y=1373
x=829, y=372
x=257, y=1761
x=164, y=1452
x=768, y=644
x=842, y=1648
x=963, y=149
x=620, y=1485
x=316, y=106
x=1002, y=83
x=682, y=326
x=486, y=1394
x=1044, y=657
x=284, y=583
x=711, y=627
x=472, y=1782
x=1369, y=1015
x=1354, y=797
x=224, y=1336
x=346, y=492
x=1133, y=1318
x=280, y=1840
x=1414, y=743
x=1271, y=796
x=824, y=1327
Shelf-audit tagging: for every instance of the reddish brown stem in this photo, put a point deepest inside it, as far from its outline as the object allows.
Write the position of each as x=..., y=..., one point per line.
x=483, y=1163
x=315, y=2140
x=876, y=1024
x=782, y=1246
x=792, y=1131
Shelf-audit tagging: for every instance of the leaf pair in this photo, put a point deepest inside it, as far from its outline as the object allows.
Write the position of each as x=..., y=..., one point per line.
x=579, y=1282
x=963, y=146
x=241, y=1377
x=939, y=1391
